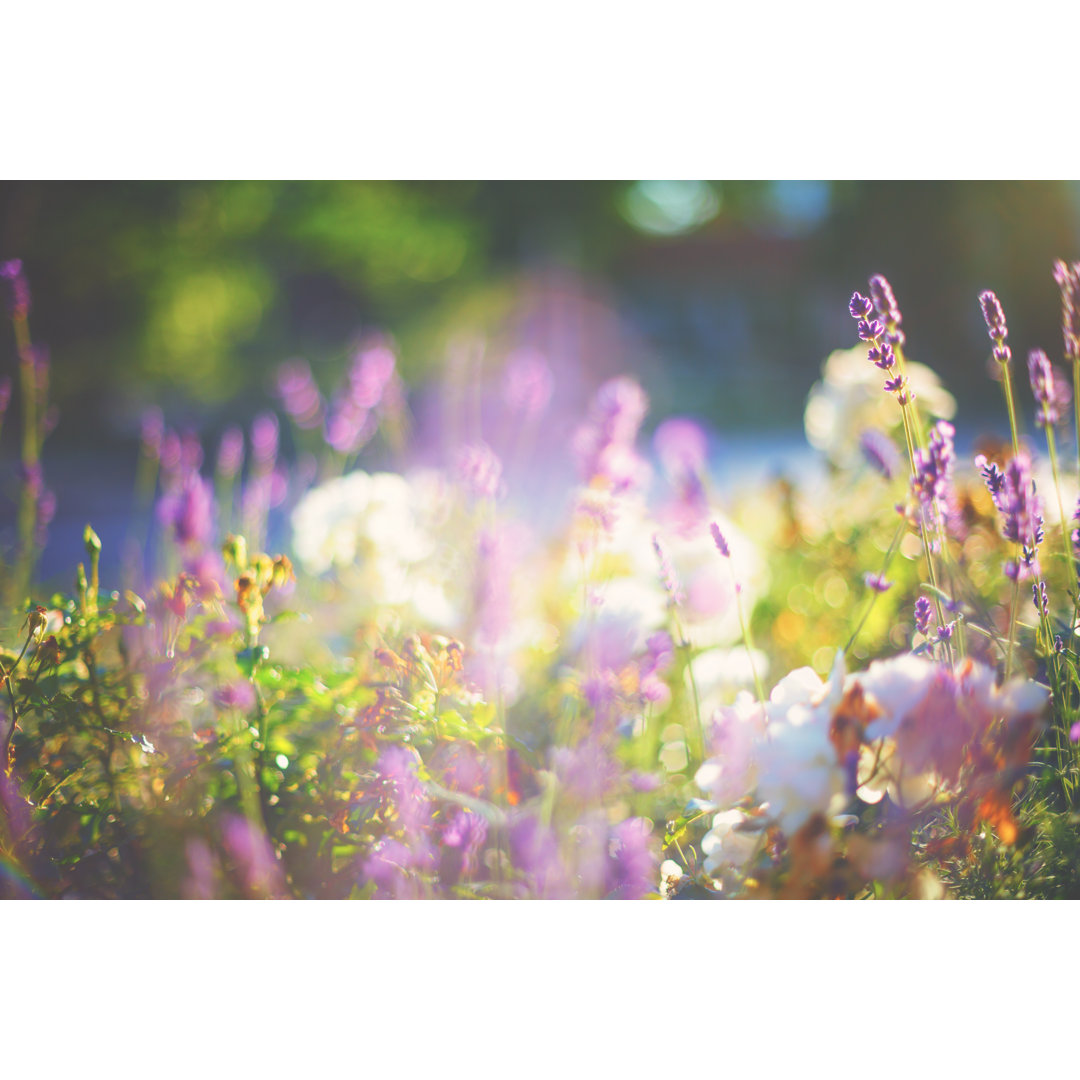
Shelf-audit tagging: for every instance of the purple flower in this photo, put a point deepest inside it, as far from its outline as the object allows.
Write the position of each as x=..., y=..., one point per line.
x=1052, y=395
x=887, y=308
x=527, y=384
x=719, y=541
x=931, y=482
x=535, y=851
x=877, y=583
x=230, y=453
x=5, y=396
x=880, y=452
x=264, y=439
x=1074, y=732
x=994, y=316
x=391, y=865
x=604, y=445
x=1068, y=279
x=923, y=613
x=189, y=512
x=238, y=696
x=400, y=790
x=859, y=306
x=20, y=290
x=870, y=331
x=460, y=843
x=1022, y=517
x=299, y=394
x=667, y=573
x=1042, y=602
x=587, y=772
x=632, y=861
x=152, y=431
x=480, y=470
x=250, y=849
x=682, y=447
x=992, y=475
x=353, y=418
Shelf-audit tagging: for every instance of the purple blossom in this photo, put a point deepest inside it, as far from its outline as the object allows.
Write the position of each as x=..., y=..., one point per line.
x=994, y=316
x=877, y=582
x=870, y=330
x=859, y=306
x=885, y=304
x=264, y=439
x=480, y=470
x=667, y=572
x=20, y=289
x=400, y=791
x=604, y=445
x=5, y=396
x=882, y=356
x=250, y=849
x=527, y=384
x=682, y=446
x=587, y=772
x=923, y=613
x=189, y=511
x=1022, y=517
x=1068, y=280
x=299, y=394
x=1042, y=602
x=1052, y=395
x=535, y=851
x=230, y=453
x=238, y=696
x=391, y=865
x=151, y=432
x=719, y=541
x=880, y=452
x=353, y=418
x=931, y=482
x=992, y=475
x=632, y=861
x=460, y=843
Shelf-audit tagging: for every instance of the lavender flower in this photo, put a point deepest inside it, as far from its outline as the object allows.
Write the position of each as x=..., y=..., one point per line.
x=20, y=290
x=859, y=306
x=992, y=475
x=1042, y=603
x=353, y=419
x=527, y=384
x=480, y=470
x=1068, y=279
x=230, y=453
x=299, y=394
x=189, y=512
x=264, y=439
x=152, y=432
x=1052, y=395
x=923, y=613
x=604, y=445
x=885, y=304
x=994, y=316
x=460, y=843
x=719, y=541
x=880, y=452
x=932, y=478
x=667, y=573
x=877, y=582
x=632, y=861
x=1022, y=513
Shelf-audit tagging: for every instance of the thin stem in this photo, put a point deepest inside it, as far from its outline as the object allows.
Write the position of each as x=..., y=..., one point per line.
x=873, y=592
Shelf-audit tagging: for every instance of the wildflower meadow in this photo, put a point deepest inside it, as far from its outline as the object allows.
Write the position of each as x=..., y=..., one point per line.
x=543, y=655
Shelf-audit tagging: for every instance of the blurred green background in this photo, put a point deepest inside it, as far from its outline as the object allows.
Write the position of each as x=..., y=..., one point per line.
x=728, y=295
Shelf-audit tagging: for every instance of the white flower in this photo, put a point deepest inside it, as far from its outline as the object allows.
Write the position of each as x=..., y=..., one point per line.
x=798, y=774
x=380, y=531
x=737, y=732
x=724, y=843
x=849, y=399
